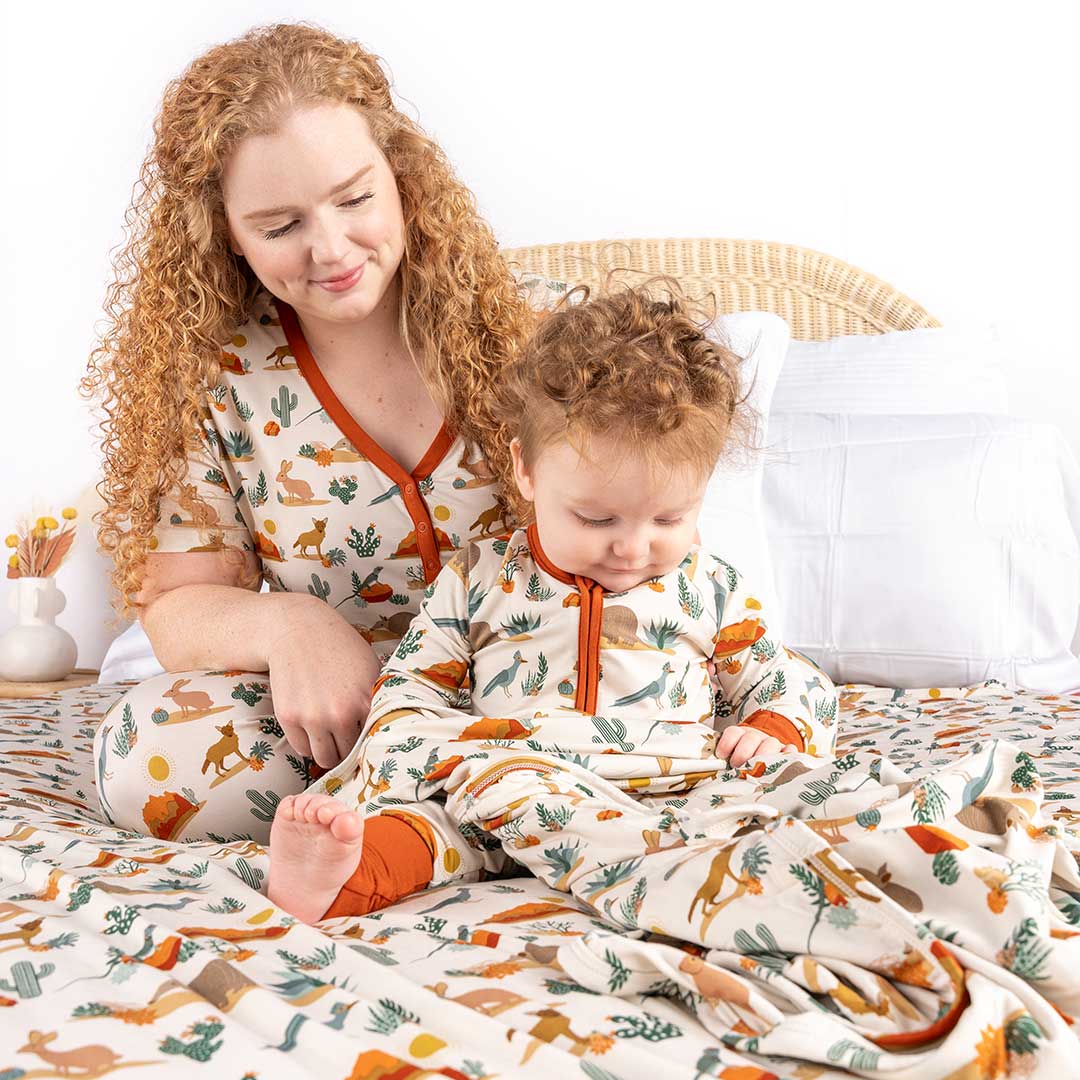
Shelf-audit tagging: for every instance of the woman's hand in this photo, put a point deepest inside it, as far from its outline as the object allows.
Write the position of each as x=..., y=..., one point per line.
x=740, y=744
x=321, y=675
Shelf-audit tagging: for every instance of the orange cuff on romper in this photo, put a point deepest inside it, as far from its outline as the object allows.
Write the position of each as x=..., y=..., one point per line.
x=394, y=862
x=779, y=727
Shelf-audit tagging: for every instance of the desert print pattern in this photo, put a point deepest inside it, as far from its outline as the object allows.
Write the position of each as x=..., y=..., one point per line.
x=284, y=471
x=130, y=956
x=196, y=755
x=516, y=673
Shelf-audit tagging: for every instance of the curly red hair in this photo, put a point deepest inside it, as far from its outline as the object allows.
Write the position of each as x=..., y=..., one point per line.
x=179, y=292
x=626, y=366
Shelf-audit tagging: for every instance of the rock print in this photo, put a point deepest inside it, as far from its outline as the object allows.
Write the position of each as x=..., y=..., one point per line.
x=931, y=893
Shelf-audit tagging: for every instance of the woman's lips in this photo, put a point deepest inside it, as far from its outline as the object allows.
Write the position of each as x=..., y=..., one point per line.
x=341, y=284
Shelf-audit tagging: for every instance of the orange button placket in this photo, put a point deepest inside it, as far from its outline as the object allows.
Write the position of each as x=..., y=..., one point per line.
x=408, y=483
x=590, y=619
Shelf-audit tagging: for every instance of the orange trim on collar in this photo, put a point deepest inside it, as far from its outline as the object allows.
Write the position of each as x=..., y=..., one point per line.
x=434, y=453
x=544, y=562
x=424, y=531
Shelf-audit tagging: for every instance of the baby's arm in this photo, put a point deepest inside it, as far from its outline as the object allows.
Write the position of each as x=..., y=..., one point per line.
x=766, y=688
x=428, y=676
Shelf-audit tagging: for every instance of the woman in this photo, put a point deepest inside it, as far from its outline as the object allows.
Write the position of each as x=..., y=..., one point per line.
x=305, y=321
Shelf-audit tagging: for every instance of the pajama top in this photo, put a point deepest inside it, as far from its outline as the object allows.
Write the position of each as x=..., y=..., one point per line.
x=283, y=470
x=515, y=668
x=506, y=636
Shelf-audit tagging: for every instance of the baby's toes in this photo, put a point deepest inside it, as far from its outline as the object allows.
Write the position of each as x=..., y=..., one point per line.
x=326, y=811
x=312, y=807
x=347, y=826
x=286, y=809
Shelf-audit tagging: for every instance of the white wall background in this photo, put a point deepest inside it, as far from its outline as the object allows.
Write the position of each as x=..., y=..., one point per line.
x=933, y=144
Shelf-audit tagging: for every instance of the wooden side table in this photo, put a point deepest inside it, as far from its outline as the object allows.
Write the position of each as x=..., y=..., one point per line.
x=79, y=677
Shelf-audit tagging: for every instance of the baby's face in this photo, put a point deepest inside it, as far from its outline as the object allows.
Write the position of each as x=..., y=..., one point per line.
x=609, y=517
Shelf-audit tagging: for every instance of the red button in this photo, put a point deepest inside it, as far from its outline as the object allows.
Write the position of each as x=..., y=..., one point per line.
x=409, y=489
x=431, y=566
x=422, y=527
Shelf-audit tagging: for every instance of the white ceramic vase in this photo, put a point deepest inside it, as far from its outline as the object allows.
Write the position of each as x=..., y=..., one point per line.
x=35, y=649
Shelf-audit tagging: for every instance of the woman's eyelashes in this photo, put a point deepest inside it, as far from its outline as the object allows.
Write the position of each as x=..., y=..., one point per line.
x=275, y=233
x=351, y=204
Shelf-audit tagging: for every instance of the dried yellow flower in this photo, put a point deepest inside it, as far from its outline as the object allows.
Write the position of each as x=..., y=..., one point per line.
x=11, y=541
x=69, y=513
x=40, y=532
x=50, y=523
x=13, y=561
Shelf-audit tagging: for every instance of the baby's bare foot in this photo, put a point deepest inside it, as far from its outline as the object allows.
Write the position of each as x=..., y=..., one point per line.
x=315, y=845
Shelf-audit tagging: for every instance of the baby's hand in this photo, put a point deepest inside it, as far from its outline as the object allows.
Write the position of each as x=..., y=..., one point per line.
x=739, y=744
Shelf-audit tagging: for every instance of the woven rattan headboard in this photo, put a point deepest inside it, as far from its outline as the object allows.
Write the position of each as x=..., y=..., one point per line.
x=820, y=297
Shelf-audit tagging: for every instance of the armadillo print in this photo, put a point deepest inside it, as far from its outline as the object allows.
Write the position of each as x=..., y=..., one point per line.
x=929, y=861
x=283, y=470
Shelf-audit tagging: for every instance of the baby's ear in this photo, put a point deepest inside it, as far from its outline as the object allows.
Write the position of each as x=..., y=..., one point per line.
x=521, y=472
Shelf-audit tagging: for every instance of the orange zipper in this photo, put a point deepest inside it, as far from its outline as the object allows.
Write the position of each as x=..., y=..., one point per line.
x=589, y=622
x=590, y=618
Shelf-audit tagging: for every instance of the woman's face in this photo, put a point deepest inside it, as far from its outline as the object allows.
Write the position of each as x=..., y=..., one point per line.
x=314, y=209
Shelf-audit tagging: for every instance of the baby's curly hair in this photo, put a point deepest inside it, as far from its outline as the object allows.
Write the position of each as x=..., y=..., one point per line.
x=179, y=293
x=625, y=366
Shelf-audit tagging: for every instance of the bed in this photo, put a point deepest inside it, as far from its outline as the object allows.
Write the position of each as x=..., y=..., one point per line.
x=128, y=954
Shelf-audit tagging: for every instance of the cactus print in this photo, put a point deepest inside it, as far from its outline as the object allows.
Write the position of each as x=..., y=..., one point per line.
x=132, y=956
x=613, y=683
x=284, y=471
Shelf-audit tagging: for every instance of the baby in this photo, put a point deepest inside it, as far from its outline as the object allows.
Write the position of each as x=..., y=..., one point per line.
x=560, y=680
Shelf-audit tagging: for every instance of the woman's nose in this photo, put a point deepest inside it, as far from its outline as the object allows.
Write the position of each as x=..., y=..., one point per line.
x=329, y=244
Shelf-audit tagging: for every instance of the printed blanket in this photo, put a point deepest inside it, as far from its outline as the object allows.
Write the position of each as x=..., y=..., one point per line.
x=911, y=917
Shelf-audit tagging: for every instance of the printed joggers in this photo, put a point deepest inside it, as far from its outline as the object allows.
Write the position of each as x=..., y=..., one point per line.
x=196, y=755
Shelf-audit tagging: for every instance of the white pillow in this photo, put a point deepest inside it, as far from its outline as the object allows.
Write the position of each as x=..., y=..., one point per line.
x=130, y=657
x=732, y=522
x=918, y=551
x=940, y=370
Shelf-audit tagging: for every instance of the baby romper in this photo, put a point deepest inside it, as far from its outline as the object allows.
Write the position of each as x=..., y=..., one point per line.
x=282, y=470
x=518, y=676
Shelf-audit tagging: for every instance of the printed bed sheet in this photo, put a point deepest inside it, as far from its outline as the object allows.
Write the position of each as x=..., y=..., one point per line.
x=125, y=954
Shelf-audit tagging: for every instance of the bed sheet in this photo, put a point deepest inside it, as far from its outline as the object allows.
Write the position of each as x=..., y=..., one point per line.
x=122, y=953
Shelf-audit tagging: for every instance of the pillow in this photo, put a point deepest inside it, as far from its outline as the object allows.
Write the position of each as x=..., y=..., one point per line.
x=920, y=551
x=130, y=656
x=910, y=371
x=732, y=522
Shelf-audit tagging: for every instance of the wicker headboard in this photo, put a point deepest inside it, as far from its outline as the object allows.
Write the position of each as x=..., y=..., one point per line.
x=820, y=297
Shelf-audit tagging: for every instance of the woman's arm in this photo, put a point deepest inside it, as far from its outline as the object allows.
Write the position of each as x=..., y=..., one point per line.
x=198, y=616
x=321, y=670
